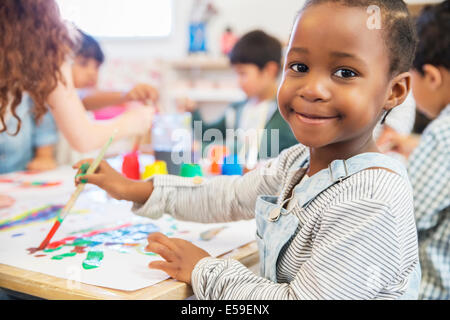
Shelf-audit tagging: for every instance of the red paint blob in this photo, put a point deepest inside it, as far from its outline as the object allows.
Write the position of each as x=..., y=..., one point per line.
x=130, y=166
x=79, y=249
x=32, y=250
x=40, y=255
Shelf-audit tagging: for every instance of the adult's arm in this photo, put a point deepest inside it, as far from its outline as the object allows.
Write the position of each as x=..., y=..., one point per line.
x=100, y=99
x=81, y=132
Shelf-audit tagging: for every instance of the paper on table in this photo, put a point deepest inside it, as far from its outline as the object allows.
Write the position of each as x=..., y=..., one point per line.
x=124, y=264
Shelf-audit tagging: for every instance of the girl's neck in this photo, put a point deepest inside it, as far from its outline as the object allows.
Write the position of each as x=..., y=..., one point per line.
x=320, y=158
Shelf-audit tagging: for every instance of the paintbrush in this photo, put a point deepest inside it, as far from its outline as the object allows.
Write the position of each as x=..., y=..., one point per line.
x=76, y=194
x=139, y=138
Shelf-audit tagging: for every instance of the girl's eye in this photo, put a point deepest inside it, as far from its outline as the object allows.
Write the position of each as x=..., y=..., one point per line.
x=299, y=67
x=345, y=73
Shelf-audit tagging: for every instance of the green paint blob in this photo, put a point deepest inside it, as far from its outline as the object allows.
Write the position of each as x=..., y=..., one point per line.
x=81, y=242
x=64, y=255
x=51, y=250
x=93, y=260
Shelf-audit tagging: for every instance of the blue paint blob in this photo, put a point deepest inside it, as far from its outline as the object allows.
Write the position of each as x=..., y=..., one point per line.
x=17, y=235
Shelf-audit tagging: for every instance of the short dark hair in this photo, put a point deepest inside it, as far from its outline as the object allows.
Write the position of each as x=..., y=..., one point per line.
x=90, y=48
x=433, y=29
x=398, y=26
x=256, y=47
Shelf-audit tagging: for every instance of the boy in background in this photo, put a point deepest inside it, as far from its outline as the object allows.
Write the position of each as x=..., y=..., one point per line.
x=256, y=59
x=85, y=68
x=429, y=161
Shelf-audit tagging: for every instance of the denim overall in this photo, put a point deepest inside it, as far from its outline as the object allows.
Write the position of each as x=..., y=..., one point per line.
x=275, y=225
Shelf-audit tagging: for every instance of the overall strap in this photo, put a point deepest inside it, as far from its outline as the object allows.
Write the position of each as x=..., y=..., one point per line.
x=338, y=170
x=341, y=169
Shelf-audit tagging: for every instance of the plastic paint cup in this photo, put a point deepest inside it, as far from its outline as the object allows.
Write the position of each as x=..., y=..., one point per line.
x=215, y=168
x=217, y=153
x=231, y=166
x=130, y=166
x=158, y=167
x=190, y=170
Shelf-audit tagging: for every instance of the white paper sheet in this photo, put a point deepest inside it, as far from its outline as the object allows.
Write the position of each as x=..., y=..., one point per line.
x=124, y=265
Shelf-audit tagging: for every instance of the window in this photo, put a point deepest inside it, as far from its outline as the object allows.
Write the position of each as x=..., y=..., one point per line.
x=119, y=18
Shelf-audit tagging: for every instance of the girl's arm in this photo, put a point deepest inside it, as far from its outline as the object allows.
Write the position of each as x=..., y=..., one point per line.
x=44, y=159
x=81, y=132
x=45, y=137
x=220, y=199
x=223, y=198
x=99, y=99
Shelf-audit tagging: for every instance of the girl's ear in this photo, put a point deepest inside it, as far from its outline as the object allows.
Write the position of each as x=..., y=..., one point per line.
x=400, y=86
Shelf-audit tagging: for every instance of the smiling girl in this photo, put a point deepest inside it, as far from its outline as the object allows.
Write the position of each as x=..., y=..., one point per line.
x=335, y=218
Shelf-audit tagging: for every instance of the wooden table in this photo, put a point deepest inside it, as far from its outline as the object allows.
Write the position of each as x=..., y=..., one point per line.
x=49, y=287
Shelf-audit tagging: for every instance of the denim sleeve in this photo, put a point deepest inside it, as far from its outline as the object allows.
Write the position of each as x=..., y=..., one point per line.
x=45, y=132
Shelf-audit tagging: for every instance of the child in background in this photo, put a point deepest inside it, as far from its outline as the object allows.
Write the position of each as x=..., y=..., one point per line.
x=35, y=46
x=334, y=216
x=399, y=122
x=31, y=148
x=428, y=164
x=256, y=59
x=85, y=68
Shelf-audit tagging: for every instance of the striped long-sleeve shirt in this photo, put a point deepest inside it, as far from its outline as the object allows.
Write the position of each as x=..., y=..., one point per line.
x=429, y=170
x=356, y=240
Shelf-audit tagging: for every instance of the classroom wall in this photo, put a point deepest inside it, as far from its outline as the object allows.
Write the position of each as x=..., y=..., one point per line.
x=242, y=15
x=134, y=60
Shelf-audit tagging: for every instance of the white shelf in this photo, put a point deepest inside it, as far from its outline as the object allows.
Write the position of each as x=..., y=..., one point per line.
x=193, y=63
x=210, y=95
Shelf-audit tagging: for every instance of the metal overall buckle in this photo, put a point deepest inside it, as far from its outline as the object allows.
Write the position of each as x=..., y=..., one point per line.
x=340, y=178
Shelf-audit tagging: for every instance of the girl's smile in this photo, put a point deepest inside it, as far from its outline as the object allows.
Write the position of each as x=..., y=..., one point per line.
x=314, y=117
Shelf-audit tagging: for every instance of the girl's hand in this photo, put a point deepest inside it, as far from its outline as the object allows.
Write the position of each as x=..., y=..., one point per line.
x=141, y=118
x=181, y=256
x=405, y=145
x=104, y=177
x=386, y=137
x=142, y=92
x=41, y=164
x=186, y=105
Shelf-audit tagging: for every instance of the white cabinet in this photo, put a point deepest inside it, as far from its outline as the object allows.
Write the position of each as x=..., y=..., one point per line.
x=210, y=82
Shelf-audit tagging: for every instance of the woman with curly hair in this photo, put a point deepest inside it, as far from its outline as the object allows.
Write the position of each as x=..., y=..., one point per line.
x=35, y=52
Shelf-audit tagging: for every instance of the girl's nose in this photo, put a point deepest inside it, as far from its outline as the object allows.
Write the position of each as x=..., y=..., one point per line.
x=314, y=89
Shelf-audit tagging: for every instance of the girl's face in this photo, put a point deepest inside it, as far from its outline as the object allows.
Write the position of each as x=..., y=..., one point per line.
x=335, y=79
x=85, y=72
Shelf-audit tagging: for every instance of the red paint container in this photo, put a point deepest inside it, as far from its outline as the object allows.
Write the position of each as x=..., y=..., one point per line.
x=130, y=166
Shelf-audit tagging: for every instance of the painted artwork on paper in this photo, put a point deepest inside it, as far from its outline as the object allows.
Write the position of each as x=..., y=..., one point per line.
x=101, y=238
x=123, y=239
